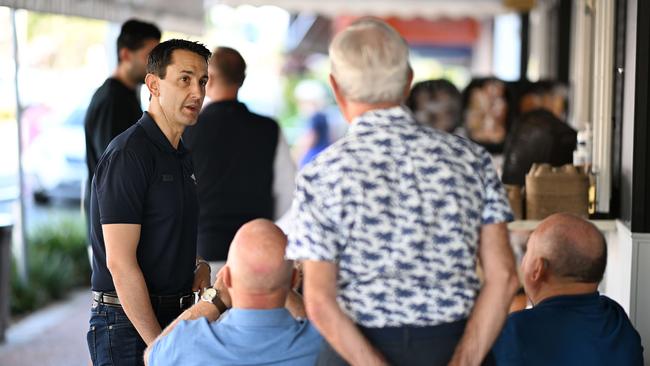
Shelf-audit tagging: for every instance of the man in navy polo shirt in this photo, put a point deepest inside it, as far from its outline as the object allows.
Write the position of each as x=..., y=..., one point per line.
x=144, y=213
x=570, y=322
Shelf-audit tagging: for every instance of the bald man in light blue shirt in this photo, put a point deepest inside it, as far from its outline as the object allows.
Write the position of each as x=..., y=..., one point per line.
x=266, y=323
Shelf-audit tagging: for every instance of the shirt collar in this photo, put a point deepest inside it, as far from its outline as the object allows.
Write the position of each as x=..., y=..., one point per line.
x=156, y=135
x=279, y=317
x=226, y=106
x=570, y=299
x=117, y=82
x=387, y=117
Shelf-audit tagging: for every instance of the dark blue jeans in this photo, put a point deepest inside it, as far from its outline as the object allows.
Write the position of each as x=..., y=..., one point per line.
x=114, y=341
x=412, y=346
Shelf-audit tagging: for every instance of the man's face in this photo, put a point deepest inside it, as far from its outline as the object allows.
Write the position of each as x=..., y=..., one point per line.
x=138, y=60
x=182, y=90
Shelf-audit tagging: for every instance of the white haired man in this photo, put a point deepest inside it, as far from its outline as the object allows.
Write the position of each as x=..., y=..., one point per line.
x=390, y=222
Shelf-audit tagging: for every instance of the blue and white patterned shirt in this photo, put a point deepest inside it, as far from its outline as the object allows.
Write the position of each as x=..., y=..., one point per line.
x=398, y=206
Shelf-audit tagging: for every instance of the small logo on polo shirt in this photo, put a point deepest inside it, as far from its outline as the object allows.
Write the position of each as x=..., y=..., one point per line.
x=193, y=179
x=167, y=178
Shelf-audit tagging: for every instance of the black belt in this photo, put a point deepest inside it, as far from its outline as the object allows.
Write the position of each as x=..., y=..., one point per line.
x=111, y=299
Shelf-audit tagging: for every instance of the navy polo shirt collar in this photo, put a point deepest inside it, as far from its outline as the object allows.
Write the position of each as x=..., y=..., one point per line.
x=155, y=134
x=232, y=104
x=560, y=300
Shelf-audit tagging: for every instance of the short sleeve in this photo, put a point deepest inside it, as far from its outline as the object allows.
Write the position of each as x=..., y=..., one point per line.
x=121, y=185
x=314, y=231
x=496, y=207
x=169, y=350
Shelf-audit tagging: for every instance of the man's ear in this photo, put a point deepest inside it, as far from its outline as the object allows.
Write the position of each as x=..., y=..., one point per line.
x=125, y=54
x=295, y=278
x=540, y=269
x=153, y=84
x=407, y=87
x=227, y=279
x=338, y=95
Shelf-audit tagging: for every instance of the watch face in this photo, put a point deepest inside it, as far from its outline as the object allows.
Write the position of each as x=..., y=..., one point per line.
x=209, y=294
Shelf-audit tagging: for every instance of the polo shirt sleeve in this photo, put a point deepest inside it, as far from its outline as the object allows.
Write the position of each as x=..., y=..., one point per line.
x=315, y=233
x=121, y=186
x=496, y=207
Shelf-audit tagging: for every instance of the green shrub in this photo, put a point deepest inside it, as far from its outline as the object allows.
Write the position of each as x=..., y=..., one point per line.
x=24, y=298
x=58, y=262
x=64, y=243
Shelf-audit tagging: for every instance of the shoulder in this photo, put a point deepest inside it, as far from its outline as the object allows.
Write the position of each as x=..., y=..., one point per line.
x=106, y=92
x=133, y=139
x=264, y=121
x=617, y=310
x=460, y=147
x=180, y=341
x=508, y=349
x=101, y=98
x=262, y=118
x=331, y=164
x=130, y=145
x=519, y=323
x=188, y=330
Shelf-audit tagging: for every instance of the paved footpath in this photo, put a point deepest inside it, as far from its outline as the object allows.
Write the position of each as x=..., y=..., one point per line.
x=55, y=335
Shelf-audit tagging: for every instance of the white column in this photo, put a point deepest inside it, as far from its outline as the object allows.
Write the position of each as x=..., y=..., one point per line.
x=603, y=75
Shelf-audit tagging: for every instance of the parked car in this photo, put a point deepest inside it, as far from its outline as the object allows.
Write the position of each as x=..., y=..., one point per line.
x=55, y=161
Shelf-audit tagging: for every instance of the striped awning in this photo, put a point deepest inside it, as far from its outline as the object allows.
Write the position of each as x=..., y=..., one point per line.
x=186, y=16
x=429, y=9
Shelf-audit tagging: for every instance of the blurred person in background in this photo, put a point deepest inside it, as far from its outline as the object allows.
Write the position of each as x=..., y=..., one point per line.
x=485, y=102
x=312, y=102
x=242, y=162
x=537, y=137
x=437, y=103
x=115, y=106
x=544, y=94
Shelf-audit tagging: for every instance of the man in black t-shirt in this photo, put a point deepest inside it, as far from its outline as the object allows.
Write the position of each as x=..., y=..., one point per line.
x=144, y=211
x=243, y=165
x=115, y=106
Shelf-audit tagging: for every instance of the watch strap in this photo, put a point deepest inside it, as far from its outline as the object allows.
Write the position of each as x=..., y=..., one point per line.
x=216, y=301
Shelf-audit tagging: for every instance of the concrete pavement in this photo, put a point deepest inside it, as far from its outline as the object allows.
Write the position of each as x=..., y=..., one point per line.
x=55, y=335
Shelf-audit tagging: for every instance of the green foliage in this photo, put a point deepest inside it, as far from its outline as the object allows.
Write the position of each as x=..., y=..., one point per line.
x=58, y=262
x=64, y=244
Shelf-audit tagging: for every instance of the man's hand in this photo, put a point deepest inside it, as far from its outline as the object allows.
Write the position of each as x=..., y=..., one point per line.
x=491, y=307
x=326, y=315
x=201, y=276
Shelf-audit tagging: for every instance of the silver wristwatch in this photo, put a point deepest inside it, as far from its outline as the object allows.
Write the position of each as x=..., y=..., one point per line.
x=211, y=295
